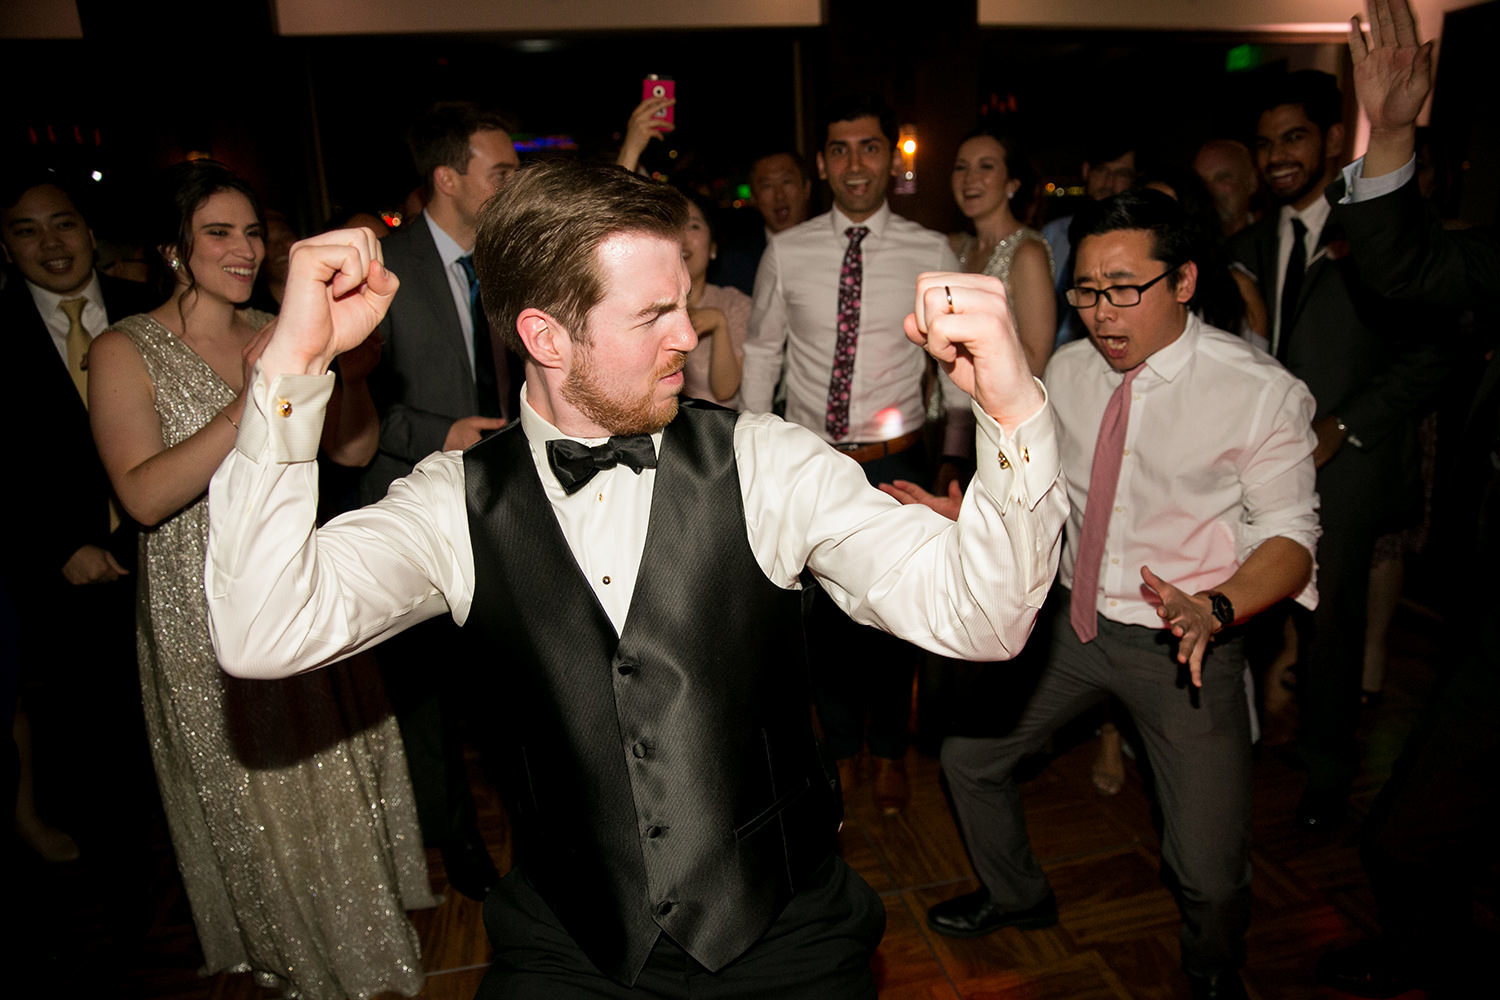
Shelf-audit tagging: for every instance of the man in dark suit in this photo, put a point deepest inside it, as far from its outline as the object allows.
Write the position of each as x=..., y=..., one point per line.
x=1430, y=833
x=1371, y=383
x=69, y=554
x=441, y=383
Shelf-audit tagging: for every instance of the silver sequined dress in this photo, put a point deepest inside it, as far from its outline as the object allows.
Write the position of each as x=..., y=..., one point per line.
x=289, y=804
x=998, y=266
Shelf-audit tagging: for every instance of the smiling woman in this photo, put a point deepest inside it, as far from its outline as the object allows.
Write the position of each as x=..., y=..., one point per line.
x=289, y=807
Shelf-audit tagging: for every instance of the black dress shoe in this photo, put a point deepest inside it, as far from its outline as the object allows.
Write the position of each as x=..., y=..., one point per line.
x=1366, y=969
x=470, y=869
x=974, y=915
x=1219, y=986
x=1320, y=811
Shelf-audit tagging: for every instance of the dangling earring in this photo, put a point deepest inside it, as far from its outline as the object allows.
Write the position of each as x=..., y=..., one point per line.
x=175, y=264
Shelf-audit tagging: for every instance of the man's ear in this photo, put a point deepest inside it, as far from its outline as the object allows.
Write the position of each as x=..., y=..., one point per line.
x=822, y=169
x=1333, y=141
x=444, y=179
x=546, y=340
x=895, y=161
x=1187, y=282
x=6, y=251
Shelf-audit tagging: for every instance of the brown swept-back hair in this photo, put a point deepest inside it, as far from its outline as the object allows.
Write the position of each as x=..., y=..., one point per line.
x=538, y=239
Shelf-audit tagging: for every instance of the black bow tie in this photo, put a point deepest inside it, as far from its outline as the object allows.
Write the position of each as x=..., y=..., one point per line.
x=575, y=463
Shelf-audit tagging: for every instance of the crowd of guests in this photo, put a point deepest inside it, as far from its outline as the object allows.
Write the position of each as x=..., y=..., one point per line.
x=1238, y=362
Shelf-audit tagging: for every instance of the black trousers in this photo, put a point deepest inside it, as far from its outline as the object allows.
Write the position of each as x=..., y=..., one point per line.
x=1331, y=640
x=819, y=948
x=1198, y=746
x=862, y=676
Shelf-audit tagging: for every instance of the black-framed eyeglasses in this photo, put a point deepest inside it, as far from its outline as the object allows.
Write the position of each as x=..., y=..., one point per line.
x=1116, y=295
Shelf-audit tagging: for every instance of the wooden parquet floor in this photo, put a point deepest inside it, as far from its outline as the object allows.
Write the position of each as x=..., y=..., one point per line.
x=119, y=926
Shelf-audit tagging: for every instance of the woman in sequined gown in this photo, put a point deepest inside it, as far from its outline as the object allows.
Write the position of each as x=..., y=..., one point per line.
x=992, y=183
x=288, y=802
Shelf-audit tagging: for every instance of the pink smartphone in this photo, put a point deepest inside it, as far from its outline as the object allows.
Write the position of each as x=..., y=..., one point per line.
x=660, y=86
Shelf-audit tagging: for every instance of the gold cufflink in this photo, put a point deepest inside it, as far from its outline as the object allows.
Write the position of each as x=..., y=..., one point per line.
x=284, y=407
x=1025, y=454
x=1004, y=462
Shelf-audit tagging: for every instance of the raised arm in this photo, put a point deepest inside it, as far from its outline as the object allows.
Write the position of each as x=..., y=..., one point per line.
x=1392, y=78
x=283, y=597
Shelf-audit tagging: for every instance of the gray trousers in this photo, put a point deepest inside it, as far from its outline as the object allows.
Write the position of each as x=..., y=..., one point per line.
x=1199, y=751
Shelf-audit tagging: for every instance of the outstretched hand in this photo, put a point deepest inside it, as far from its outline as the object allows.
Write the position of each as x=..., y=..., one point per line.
x=337, y=291
x=1392, y=71
x=911, y=493
x=964, y=321
x=1190, y=618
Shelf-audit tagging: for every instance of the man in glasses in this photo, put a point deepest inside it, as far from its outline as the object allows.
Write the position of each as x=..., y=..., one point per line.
x=1188, y=457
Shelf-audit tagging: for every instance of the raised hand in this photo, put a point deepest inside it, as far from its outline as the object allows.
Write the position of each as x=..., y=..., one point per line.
x=644, y=126
x=1190, y=618
x=1392, y=71
x=337, y=291
x=964, y=321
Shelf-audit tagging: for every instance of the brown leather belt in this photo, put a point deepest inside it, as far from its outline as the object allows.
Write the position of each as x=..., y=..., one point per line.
x=863, y=453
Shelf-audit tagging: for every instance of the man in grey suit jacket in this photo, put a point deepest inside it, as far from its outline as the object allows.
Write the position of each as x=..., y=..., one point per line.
x=1372, y=382
x=441, y=383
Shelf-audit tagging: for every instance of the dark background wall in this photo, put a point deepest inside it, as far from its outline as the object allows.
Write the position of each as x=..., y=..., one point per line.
x=319, y=122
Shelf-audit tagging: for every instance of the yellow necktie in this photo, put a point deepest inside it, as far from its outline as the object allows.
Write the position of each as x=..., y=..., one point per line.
x=77, y=342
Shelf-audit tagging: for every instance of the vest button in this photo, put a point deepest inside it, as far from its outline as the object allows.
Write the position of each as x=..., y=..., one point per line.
x=654, y=831
x=639, y=750
x=625, y=668
x=664, y=907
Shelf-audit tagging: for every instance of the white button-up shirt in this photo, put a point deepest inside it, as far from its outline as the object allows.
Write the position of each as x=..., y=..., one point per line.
x=795, y=313
x=284, y=597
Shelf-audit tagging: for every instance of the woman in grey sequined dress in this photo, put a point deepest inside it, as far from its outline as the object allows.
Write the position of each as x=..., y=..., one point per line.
x=992, y=183
x=289, y=804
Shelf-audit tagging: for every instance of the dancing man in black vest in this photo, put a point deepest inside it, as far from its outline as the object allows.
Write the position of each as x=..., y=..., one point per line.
x=639, y=565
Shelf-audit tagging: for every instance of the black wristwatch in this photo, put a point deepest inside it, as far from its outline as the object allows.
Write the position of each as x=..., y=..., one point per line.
x=1223, y=608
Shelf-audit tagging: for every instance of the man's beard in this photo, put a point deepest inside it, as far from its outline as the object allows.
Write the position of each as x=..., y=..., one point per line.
x=1313, y=180
x=644, y=415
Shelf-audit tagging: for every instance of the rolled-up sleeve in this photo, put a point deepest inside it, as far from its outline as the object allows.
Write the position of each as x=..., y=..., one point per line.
x=1278, y=479
x=285, y=596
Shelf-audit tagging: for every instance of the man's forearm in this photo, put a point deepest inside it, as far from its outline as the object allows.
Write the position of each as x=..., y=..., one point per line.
x=1278, y=568
x=284, y=597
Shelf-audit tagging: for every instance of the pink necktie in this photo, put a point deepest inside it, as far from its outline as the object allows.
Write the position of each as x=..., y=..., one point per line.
x=851, y=281
x=1109, y=452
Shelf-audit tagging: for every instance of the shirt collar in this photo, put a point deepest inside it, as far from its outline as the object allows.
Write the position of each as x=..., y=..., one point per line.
x=1169, y=361
x=539, y=431
x=875, y=223
x=48, y=301
x=447, y=247
x=1314, y=217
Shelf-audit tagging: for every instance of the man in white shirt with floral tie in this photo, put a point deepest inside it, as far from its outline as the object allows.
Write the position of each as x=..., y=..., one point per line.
x=829, y=302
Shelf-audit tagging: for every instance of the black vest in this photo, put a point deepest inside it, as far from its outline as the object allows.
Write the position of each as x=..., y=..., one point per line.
x=666, y=779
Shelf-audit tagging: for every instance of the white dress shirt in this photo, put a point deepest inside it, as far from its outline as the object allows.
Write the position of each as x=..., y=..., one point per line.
x=796, y=309
x=1217, y=459
x=1314, y=217
x=458, y=281
x=49, y=306
x=284, y=597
